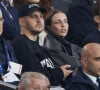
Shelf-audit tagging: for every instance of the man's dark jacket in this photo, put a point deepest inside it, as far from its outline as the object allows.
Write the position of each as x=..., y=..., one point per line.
x=3, y=55
x=81, y=82
x=11, y=25
x=62, y=51
x=34, y=58
x=93, y=38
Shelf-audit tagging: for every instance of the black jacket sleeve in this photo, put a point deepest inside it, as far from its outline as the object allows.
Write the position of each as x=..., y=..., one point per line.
x=31, y=62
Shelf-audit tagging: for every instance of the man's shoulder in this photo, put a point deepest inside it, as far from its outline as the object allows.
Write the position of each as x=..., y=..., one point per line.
x=19, y=40
x=94, y=37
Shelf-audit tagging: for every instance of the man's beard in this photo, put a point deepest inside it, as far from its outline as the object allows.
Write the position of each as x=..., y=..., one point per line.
x=35, y=32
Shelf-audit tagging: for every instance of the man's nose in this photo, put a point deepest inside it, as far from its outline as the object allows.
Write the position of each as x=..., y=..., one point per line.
x=39, y=18
x=62, y=24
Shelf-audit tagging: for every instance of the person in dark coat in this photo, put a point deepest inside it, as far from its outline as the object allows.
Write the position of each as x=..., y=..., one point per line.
x=7, y=56
x=95, y=37
x=87, y=77
x=81, y=21
x=11, y=25
x=27, y=49
x=62, y=51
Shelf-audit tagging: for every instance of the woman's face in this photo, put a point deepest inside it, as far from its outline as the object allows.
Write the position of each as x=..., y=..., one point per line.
x=59, y=24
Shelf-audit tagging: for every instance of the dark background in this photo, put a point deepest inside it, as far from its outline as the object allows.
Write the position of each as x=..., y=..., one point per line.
x=61, y=4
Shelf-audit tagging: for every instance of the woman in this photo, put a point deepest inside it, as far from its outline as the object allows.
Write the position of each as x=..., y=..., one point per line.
x=63, y=52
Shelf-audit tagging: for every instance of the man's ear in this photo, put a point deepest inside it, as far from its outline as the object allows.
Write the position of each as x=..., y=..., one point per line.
x=21, y=21
x=84, y=61
x=22, y=25
x=97, y=19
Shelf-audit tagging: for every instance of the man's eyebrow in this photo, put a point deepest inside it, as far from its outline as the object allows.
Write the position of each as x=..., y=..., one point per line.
x=96, y=58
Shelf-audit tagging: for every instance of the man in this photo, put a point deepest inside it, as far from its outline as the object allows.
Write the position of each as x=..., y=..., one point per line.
x=86, y=78
x=33, y=81
x=27, y=49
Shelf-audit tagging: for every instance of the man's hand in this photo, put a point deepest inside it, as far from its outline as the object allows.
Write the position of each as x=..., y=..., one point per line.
x=66, y=70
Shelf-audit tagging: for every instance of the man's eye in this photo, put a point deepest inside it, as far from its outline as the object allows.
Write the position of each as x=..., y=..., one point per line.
x=66, y=21
x=57, y=22
x=42, y=16
x=33, y=17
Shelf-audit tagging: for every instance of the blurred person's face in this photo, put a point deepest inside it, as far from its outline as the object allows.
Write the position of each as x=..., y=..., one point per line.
x=7, y=0
x=59, y=24
x=35, y=1
x=1, y=23
x=91, y=64
x=34, y=23
x=38, y=84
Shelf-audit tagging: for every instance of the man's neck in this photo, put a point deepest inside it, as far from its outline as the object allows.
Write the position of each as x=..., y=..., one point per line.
x=31, y=37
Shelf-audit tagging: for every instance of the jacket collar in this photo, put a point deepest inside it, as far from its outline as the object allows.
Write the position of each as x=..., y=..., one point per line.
x=81, y=78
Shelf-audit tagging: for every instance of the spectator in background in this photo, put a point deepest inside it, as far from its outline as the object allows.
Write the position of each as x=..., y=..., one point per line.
x=33, y=81
x=47, y=4
x=19, y=3
x=95, y=37
x=27, y=49
x=96, y=13
x=62, y=51
x=81, y=22
x=7, y=55
x=11, y=26
x=88, y=78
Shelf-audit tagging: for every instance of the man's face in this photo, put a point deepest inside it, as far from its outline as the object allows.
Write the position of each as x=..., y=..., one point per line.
x=38, y=84
x=59, y=24
x=92, y=63
x=35, y=22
